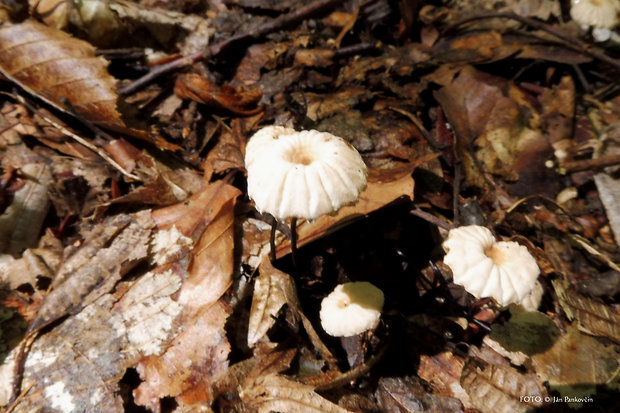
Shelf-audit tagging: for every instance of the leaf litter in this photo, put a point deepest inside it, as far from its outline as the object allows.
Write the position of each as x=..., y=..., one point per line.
x=134, y=273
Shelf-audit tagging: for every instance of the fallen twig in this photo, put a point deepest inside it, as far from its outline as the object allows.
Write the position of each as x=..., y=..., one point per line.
x=256, y=33
x=570, y=42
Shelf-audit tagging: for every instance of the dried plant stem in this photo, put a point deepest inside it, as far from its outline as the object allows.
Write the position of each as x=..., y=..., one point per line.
x=257, y=33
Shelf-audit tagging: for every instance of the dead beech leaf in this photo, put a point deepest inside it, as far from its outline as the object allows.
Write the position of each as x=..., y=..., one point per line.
x=577, y=363
x=593, y=316
x=235, y=100
x=53, y=65
x=495, y=388
x=187, y=368
x=407, y=394
x=272, y=289
x=233, y=379
x=196, y=212
x=444, y=371
x=77, y=365
x=277, y=393
x=110, y=251
x=20, y=224
x=377, y=195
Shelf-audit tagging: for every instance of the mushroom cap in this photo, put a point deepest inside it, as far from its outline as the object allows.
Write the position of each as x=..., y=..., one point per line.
x=531, y=302
x=351, y=309
x=503, y=270
x=596, y=13
x=302, y=174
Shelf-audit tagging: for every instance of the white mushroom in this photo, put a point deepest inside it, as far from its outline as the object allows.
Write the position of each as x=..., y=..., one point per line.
x=503, y=270
x=302, y=174
x=531, y=302
x=600, y=15
x=351, y=309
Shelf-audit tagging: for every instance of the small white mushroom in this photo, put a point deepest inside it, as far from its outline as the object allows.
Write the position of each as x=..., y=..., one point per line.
x=503, y=270
x=600, y=15
x=531, y=302
x=351, y=309
x=302, y=174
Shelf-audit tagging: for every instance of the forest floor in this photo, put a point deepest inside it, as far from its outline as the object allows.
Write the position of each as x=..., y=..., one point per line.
x=135, y=270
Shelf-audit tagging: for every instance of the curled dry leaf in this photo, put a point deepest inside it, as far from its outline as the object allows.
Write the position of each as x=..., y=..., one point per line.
x=495, y=388
x=187, y=367
x=377, y=195
x=238, y=101
x=593, y=316
x=243, y=373
x=55, y=66
x=277, y=393
x=443, y=371
x=272, y=289
x=20, y=224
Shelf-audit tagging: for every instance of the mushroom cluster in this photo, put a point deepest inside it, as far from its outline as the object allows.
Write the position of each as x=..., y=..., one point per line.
x=599, y=15
x=351, y=309
x=302, y=174
x=503, y=270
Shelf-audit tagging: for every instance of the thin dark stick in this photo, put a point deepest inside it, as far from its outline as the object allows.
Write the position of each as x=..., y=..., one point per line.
x=590, y=164
x=570, y=42
x=431, y=218
x=20, y=361
x=254, y=34
x=294, y=242
x=272, y=242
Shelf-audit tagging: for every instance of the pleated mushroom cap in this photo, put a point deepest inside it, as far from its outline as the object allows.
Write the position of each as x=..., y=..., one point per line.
x=503, y=270
x=302, y=174
x=602, y=14
x=351, y=309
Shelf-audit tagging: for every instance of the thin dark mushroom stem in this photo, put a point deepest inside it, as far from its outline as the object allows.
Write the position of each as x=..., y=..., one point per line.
x=294, y=242
x=272, y=240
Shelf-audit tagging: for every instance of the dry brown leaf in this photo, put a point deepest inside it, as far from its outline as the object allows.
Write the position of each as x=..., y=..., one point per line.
x=41, y=261
x=377, y=195
x=444, y=371
x=20, y=224
x=234, y=100
x=55, y=66
x=277, y=393
x=77, y=365
x=109, y=252
x=607, y=181
x=230, y=382
x=278, y=289
x=407, y=394
x=593, y=316
x=495, y=388
x=187, y=368
x=272, y=289
x=577, y=363
x=227, y=154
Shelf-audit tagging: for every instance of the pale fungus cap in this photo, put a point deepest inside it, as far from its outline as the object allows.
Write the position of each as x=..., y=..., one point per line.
x=302, y=174
x=351, y=309
x=602, y=14
x=503, y=270
x=532, y=301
